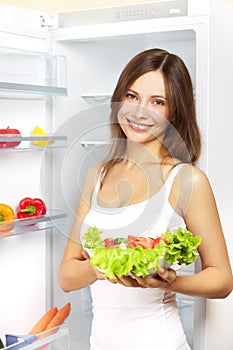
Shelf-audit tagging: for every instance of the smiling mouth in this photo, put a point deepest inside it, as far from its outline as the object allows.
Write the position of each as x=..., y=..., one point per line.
x=138, y=126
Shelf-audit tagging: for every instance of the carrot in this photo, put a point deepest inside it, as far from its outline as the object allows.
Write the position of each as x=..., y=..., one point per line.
x=56, y=320
x=60, y=317
x=43, y=322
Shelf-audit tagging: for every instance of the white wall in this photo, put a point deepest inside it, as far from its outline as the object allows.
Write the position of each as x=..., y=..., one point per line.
x=68, y=5
x=219, y=312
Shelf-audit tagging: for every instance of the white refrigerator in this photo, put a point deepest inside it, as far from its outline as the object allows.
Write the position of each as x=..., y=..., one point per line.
x=58, y=71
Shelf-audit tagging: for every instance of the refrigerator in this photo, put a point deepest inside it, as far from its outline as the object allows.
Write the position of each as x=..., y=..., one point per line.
x=58, y=71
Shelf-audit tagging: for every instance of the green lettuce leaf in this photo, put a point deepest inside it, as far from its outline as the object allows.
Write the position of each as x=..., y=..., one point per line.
x=120, y=262
x=181, y=247
x=92, y=238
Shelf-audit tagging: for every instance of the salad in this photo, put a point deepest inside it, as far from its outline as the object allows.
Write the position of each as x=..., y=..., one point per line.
x=140, y=255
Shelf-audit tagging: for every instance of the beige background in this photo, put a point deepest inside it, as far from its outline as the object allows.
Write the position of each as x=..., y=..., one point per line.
x=49, y=6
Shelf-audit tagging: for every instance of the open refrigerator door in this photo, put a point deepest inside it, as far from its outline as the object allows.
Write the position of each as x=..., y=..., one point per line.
x=30, y=79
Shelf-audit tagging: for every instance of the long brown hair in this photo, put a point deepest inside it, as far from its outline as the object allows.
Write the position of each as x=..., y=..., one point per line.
x=184, y=144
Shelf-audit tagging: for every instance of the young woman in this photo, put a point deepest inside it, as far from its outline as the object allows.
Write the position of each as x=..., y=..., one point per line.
x=147, y=184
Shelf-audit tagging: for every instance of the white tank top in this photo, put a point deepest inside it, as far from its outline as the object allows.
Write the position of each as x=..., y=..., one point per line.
x=130, y=318
x=148, y=218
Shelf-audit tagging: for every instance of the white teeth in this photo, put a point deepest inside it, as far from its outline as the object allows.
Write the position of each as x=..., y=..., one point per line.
x=139, y=126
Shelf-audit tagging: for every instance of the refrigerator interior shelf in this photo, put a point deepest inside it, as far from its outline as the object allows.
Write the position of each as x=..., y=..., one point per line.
x=95, y=99
x=32, y=142
x=53, y=218
x=94, y=143
x=18, y=88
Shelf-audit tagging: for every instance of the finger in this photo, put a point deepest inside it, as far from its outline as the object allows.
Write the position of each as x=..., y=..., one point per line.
x=167, y=275
x=99, y=274
x=113, y=280
x=148, y=282
x=127, y=281
x=85, y=254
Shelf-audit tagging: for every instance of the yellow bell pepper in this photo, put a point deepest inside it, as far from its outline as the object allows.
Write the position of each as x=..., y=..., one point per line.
x=37, y=131
x=6, y=214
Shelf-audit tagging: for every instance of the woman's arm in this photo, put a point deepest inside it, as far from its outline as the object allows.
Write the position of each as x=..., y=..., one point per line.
x=194, y=197
x=75, y=272
x=202, y=218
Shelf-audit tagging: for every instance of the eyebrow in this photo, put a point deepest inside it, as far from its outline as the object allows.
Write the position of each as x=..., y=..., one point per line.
x=153, y=96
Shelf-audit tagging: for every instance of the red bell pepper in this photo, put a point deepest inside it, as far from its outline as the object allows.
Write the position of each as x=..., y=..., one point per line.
x=29, y=208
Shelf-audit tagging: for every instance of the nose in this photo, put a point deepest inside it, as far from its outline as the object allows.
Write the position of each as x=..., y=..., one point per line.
x=141, y=111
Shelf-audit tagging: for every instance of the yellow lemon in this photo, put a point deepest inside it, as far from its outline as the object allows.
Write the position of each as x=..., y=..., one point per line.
x=37, y=131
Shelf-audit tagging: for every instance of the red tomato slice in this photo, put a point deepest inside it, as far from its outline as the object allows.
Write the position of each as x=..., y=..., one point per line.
x=144, y=242
x=157, y=240
x=109, y=243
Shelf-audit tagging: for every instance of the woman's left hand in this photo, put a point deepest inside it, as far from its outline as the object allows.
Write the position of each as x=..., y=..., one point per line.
x=161, y=280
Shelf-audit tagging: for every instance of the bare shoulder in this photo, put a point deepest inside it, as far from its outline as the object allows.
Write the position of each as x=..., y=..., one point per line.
x=201, y=186
x=187, y=174
x=192, y=175
x=191, y=185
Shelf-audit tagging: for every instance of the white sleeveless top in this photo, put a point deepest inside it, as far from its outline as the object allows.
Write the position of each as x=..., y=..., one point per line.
x=130, y=318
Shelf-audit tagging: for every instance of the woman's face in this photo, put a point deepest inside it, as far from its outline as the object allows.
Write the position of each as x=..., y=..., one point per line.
x=143, y=115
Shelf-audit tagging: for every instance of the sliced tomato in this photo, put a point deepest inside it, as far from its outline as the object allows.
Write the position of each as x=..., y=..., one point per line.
x=157, y=240
x=110, y=243
x=144, y=242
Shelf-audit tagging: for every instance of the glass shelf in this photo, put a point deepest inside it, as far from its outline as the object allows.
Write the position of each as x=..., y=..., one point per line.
x=26, y=142
x=95, y=99
x=98, y=98
x=94, y=143
x=53, y=218
x=33, y=73
x=18, y=88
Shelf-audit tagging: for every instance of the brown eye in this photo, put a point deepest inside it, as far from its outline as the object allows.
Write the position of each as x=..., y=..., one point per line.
x=131, y=96
x=159, y=102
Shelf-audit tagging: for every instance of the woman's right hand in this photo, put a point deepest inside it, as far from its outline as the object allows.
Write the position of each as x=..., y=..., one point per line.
x=162, y=280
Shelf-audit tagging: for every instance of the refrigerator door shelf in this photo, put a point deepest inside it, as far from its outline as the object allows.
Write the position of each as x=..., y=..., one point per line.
x=53, y=218
x=18, y=341
x=32, y=143
x=58, y=337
